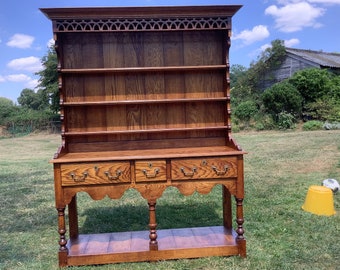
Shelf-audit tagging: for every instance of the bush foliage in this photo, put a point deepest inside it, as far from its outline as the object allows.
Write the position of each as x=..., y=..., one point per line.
x=310, y=94
x=312, y=125
x=245, y=110
x=282, y=97
x=21, y=119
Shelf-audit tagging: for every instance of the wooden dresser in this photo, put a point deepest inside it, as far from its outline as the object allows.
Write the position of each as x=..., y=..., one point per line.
x=145, y=104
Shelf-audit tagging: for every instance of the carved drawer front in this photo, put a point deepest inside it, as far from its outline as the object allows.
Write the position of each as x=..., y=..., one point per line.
x=203, y=168
x=147, y=171
x=95, y=173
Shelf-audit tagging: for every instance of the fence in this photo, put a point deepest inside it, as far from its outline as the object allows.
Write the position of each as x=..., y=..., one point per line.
x=23, y=128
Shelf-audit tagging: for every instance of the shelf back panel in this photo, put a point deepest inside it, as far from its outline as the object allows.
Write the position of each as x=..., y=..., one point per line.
x=159, y=85
x=142, y=49
x=144, y=117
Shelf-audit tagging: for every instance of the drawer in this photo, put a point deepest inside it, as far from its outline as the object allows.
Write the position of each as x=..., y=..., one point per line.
x=95, y=173
x=203, y=168
x=147, y=171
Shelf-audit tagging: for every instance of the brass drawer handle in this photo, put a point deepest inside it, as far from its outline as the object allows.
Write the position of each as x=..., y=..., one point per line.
x=79, y=178
x=218, y=172
x=189, y=174
x=113, y=177
x=156, y=171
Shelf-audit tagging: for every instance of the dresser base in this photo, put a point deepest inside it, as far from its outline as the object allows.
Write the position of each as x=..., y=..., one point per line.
x=134, y=246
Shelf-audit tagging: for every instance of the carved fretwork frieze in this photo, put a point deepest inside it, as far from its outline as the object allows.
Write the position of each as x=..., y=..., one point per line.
x=136, y=24
x=150, y=192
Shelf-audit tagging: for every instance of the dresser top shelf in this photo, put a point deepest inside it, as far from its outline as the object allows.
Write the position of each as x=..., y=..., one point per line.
x=147, y=154
x=140, y=12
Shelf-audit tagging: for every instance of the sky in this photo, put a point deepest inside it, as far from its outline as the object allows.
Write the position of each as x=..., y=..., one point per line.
x=26, y=34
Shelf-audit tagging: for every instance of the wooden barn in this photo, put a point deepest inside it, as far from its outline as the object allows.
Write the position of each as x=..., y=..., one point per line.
x=297, y=59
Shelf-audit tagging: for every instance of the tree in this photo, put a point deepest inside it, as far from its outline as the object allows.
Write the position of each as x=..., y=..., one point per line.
x=31, y=100
x=237, y=72
x=248, y=84
x=312, y=83
x=7, y=108
x=48, y=81
x=273, y=55
x=267, y=62
x=334, y=91
x=240, y=91
x=320, y=90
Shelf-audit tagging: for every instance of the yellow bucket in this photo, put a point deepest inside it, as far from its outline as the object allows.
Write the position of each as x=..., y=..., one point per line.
x=319, y=201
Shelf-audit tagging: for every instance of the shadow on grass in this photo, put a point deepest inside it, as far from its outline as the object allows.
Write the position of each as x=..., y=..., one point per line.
x=135, y=218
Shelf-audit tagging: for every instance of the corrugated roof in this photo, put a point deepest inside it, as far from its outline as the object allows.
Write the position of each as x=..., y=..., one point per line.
x=325, y=59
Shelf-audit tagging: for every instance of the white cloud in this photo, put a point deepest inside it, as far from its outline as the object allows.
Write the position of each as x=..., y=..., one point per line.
x=20, y=41
x=285, y=2
x=258, y=33
x=291, y=42
x=32, y=83
x=50, y=43
x=28, y=81
x=325, y=1
x=18, y=78
x=265, y=46
x=287, y=43
x=32, y=64
x=295, y=16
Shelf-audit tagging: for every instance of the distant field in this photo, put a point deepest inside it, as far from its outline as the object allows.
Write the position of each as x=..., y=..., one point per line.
x=279, y=168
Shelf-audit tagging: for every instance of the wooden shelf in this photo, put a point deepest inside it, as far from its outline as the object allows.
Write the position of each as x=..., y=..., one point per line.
x=141, y=69
x=134, y=246
x=150, y=101
x=158, y=130
x=147, y=154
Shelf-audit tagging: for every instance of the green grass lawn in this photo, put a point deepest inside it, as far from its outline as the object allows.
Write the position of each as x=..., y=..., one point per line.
x=279, y=168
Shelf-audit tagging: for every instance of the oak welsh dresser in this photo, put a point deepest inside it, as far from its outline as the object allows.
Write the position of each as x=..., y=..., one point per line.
x=145, y=104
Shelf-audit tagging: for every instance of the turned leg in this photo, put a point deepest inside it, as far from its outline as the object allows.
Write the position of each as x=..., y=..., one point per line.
x=153, y=245
x=240, y=231
x=62, y=238
x=227, y=212
x=239, y=218
x=73, y=217
x=61, y=229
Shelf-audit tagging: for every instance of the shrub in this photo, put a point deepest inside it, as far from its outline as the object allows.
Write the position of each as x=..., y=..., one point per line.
x=264, y=122
x=7, y=108
x=324, y=109
x=320, y=90
x=312, y=125
x=245, y=110
x=312, y=83
x=282, y=97
x=259, y=126
x=285, y=120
